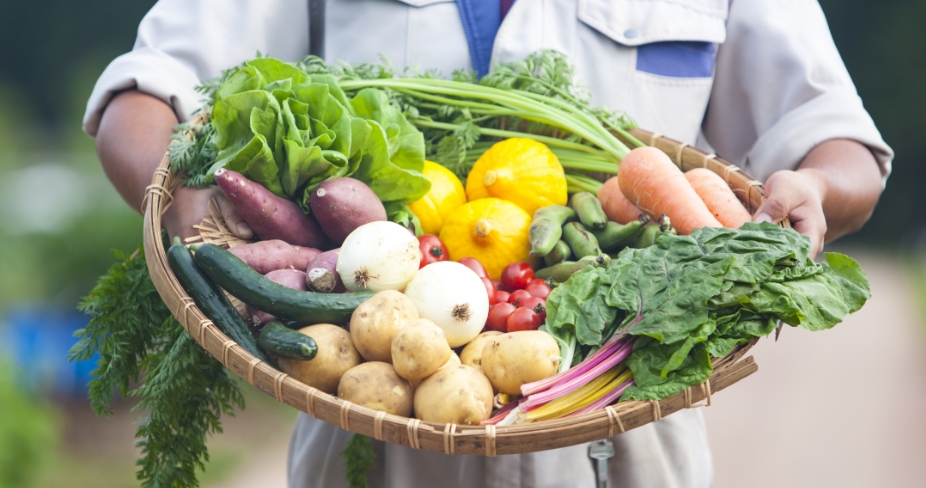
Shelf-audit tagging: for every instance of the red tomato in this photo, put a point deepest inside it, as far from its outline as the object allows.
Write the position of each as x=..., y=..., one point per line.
x=536, y=281
x=516, y=276
x=432, y=250
x=475, y=265
x=538, y=305
x=498, y=316
x=518, y=296
x=490, y=290
x=539, y=290
x=523, y=319
x=501, y=296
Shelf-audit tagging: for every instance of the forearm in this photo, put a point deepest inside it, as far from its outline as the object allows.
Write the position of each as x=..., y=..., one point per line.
x=849, y=182
x=131, y=141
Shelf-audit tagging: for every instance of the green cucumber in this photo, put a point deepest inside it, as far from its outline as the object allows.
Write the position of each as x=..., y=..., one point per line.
x=210, y=299
x=277, y=339
x=250, y=287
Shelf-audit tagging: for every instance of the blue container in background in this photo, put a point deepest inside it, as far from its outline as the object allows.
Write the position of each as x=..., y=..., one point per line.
x=36, y=340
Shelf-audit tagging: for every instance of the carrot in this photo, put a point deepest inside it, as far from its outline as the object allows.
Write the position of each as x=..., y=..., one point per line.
x=650, y=180
x=719, y=198
x=270, y=216
x=615, y=204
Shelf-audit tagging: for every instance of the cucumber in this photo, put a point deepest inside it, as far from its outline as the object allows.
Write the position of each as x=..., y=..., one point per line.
x=305, y=307
x=277, y=339
x=210, y=299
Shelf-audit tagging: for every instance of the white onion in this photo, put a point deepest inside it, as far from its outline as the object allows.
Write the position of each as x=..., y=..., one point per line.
x=453, y=297
x=378, y=256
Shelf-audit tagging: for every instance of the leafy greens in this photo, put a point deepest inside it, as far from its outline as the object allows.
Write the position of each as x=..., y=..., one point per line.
x=689, y=298
x=184, y=390
x=290, y=131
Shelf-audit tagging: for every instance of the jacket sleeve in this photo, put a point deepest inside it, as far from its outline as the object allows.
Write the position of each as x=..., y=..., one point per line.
x=180, y=43
x=781, y=89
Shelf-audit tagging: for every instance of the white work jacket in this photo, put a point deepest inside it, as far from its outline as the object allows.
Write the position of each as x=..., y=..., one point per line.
x=760, y=82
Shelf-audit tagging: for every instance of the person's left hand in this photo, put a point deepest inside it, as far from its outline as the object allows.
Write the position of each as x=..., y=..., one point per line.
x=799, y=195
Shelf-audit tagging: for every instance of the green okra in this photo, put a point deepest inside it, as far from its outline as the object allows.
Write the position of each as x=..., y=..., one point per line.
x=560, y=253
x=588, y=208
x=581, y=241
x=547, y=227
x=562, y=271
x=651, y=232
x=615, y=235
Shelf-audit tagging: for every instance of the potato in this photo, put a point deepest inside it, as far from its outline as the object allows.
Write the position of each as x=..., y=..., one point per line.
x=376, y=385
x=513, y=359
x=343, y=204
x=454, y=360
x=336, y=355
x=376, y=321
x=457, y=395
x=419, y=350
x=471, y=355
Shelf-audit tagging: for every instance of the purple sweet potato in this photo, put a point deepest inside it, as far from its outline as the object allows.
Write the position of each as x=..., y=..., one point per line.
x=289, y=277
x=267, y=256
x=322, y=275
x=270, y=216
x=343, y=204
x=303, y=256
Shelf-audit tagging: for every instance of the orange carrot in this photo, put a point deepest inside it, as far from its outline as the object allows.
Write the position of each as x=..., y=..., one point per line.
x=615, y=204
x=653, y=183
x=719, y=198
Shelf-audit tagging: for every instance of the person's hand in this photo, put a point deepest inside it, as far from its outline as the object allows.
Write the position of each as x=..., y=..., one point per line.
x=191, y=205
x=799, y=195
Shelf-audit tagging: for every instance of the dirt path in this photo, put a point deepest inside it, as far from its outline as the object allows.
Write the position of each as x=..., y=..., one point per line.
x=843, y=407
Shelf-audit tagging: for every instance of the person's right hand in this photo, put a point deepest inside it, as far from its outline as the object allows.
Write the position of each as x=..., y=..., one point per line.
x=191, y=205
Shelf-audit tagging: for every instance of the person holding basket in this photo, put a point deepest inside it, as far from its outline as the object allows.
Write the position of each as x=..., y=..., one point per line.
x=760, y=84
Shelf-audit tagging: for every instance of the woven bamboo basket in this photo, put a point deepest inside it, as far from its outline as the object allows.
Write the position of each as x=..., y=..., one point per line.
x=447, y=438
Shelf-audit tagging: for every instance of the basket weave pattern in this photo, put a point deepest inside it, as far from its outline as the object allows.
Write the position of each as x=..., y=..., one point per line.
x=447, y=438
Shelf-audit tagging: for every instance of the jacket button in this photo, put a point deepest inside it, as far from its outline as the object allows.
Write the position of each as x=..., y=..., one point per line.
x=631, y=33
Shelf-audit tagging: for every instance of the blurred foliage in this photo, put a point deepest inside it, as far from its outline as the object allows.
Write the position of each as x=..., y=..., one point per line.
x=884, y=48
x=27, y=433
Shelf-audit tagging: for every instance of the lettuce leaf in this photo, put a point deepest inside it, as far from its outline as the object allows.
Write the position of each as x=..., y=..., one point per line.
x=290, y=131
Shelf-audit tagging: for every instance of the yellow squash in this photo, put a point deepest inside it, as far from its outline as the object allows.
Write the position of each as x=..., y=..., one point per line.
x=519, y=170
x=445, y=195
x=492, y=230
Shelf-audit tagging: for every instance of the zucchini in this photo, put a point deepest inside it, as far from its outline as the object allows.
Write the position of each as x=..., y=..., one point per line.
x=249, y=286
x=277, y=339
x=210, y=299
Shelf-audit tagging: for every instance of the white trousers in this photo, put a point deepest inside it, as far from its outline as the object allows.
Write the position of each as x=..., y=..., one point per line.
x=671, y=453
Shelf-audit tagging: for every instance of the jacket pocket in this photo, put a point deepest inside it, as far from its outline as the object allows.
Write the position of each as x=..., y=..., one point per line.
x=638, y=22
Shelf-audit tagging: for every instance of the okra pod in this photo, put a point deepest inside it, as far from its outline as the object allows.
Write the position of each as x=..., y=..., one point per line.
x=581, y=241
x=562, y=271
x=560, y=253
x=615, y=235
x=547, y=227
x=588, y=208
x=651, y=232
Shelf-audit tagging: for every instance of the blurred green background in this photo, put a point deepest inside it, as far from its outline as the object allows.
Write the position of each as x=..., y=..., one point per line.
x=59, y=216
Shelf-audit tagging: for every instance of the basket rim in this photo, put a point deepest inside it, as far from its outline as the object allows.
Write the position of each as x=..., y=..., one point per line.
x=446, y=438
